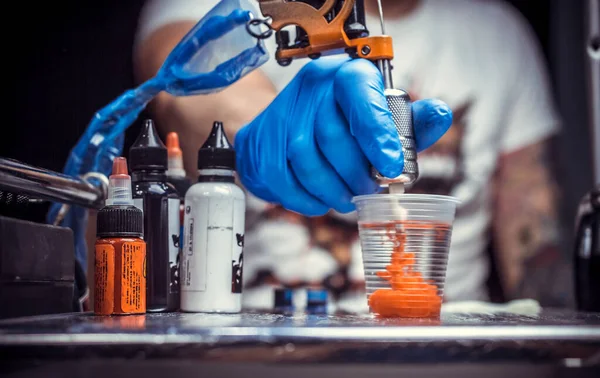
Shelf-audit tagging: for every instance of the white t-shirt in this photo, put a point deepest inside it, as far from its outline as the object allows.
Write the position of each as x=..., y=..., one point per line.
x=477, y=56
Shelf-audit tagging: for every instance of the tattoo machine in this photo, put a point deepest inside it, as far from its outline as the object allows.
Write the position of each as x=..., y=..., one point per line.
x=331, y=26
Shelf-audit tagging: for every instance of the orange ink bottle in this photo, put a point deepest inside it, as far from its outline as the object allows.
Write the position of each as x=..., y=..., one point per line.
x=120, y=250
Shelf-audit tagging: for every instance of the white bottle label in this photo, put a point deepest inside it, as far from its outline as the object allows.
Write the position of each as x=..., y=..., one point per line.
x=212, y=257
x=237, y=257
x=174, y=204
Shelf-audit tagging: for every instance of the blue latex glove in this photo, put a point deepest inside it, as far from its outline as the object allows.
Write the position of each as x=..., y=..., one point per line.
x=311, y=149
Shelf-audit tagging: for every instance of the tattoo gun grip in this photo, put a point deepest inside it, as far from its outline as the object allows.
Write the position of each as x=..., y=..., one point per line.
x=400, y=106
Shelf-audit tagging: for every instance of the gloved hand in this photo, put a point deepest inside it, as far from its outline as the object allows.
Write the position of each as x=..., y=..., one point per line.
x=310, y=150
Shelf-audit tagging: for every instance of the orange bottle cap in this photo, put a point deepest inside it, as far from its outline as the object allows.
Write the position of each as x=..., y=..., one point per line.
x=120, y=167
x=173, y=145
x=119, y=184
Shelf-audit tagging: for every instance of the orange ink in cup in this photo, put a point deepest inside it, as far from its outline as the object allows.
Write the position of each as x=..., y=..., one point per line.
x=409, y=295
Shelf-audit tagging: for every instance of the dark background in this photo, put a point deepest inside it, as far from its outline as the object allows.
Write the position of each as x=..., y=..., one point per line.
x=73, y=57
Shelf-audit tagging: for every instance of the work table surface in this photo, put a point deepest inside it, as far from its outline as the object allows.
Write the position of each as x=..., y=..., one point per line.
x=550, y=337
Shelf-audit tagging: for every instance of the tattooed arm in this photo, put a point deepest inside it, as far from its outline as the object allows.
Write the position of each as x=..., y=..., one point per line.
x=529, y=246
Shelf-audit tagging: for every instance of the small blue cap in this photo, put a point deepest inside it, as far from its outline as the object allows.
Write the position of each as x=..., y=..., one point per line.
x=316, y=297
x=283, y=297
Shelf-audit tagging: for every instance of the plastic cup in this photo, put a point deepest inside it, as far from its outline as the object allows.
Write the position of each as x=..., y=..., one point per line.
x=405, y=240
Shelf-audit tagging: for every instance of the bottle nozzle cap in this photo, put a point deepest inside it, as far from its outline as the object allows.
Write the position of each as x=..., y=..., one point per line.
x=173, y=145
x=217, y=152
x=148, y=152
x=175, y=164
x=119, y=167
x=119, y=184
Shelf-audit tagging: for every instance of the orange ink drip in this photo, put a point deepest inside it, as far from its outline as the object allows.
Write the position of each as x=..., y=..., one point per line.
x=410, y=295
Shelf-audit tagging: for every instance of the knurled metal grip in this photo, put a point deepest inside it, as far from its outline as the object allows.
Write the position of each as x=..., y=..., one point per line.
x=400, y=105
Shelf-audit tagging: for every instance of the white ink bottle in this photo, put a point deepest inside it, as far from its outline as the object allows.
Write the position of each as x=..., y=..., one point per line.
x=213, y=241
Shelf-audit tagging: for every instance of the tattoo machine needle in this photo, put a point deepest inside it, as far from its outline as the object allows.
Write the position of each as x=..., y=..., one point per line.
x=400, y=105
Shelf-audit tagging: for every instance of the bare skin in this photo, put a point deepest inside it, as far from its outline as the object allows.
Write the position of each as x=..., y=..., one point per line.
x=192, y=117
x=392, y=8
x=533, y=262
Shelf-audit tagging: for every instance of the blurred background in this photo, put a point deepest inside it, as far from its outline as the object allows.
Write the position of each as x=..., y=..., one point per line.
x=71, y=58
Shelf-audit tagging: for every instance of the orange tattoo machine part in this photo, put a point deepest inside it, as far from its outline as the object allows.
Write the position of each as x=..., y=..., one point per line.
x=324, y=27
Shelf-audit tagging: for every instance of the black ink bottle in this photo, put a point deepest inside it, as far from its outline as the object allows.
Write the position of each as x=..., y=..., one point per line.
x=160, y=203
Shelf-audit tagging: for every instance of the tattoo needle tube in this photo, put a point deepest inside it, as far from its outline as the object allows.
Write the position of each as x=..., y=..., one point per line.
x=400, y=106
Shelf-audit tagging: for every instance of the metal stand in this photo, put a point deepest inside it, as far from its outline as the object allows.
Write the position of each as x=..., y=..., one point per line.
x=40, y=183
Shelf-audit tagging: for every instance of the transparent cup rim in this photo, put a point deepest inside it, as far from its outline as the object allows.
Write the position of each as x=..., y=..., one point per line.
x=408, y=197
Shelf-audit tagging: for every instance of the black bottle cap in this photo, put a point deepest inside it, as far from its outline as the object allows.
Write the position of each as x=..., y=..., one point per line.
x=216, y=152
x=148, y=152
x=120, y=221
